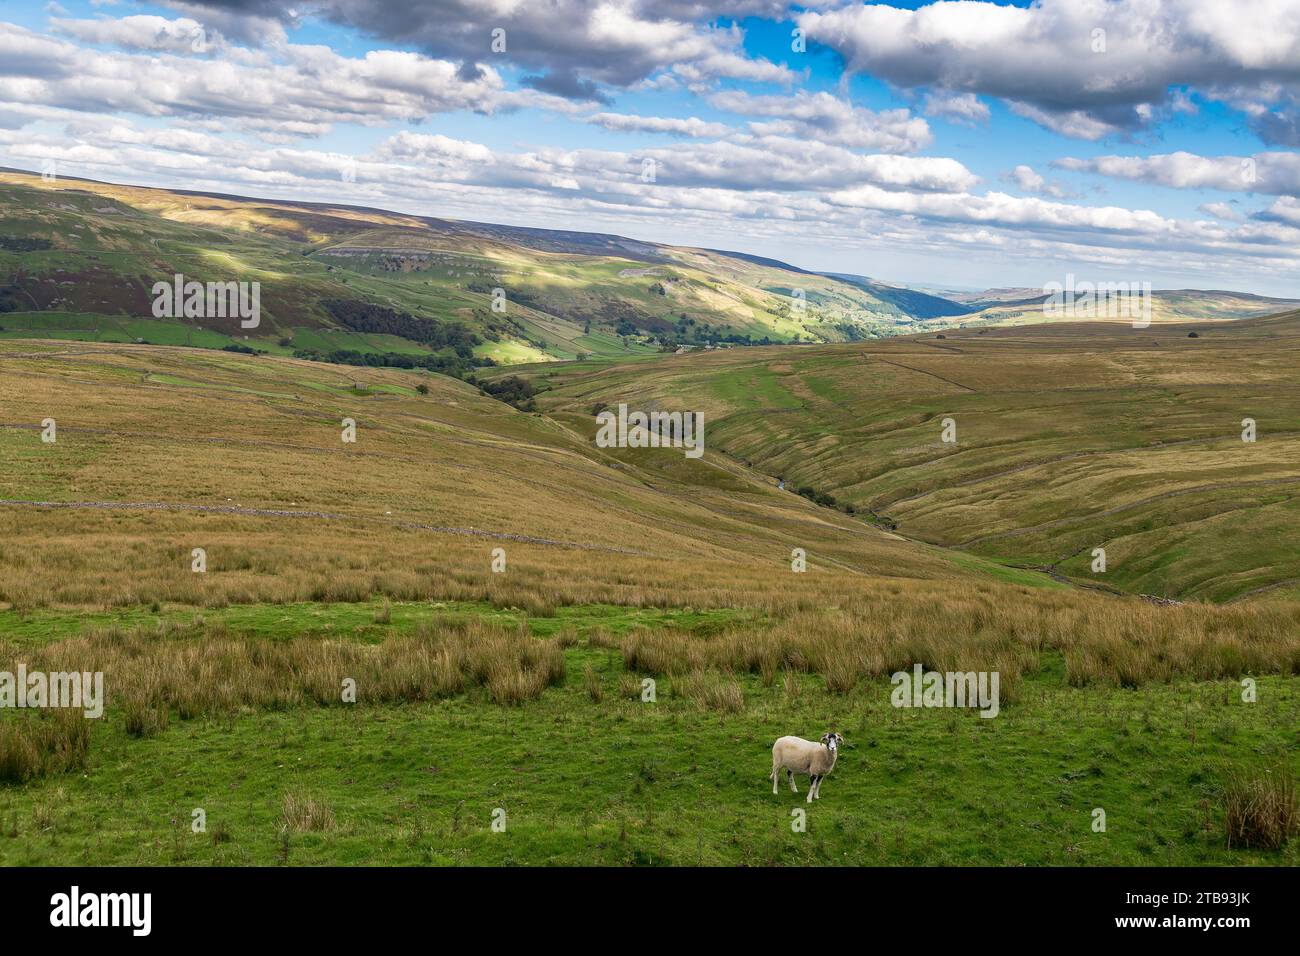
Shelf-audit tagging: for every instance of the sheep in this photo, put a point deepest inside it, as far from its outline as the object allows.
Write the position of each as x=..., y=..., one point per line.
x=796, y=755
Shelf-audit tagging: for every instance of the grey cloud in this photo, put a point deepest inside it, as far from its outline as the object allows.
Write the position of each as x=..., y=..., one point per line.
x=1277, y=127
x=568, y=44
x=567, y=85
x=1082, y=69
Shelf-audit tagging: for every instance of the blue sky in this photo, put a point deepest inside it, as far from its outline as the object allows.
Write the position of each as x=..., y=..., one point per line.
x=957, y=144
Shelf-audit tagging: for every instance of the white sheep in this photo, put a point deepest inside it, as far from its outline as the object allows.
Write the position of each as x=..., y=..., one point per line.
x=796, y=755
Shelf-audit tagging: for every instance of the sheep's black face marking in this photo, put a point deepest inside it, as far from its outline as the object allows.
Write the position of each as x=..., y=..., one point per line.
x=832, y=741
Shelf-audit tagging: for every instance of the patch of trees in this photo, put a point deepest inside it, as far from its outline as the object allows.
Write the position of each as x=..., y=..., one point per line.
x=10, y=301
x=24, y=244
x=516, y=295
x=851, y=332
x=367, y=317
x=825, y=500
x=512, y=390
x=454, y=365
x=709, y=336
x=236, y=347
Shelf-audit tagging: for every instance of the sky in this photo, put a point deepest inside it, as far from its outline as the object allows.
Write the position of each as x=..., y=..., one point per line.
x=953, y=144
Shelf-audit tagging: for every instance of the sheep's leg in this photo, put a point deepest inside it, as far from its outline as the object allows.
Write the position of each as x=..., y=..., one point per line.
x=818, y=794
x=790, y=776
x=776, y=776
x=812, y=788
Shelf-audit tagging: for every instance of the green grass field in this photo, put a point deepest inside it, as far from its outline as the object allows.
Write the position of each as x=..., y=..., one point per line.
x=328, y=560
x=620, y=781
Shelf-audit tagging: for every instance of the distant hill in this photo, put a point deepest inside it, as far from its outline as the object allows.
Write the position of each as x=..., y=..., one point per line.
x=922, y=305
x=78, y=260
x=1018, y=306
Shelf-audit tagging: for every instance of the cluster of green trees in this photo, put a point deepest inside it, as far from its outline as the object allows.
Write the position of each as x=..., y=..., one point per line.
x=24, y=244
x=824, y=499
x=362, y=316
x=455, y=365
x=11, y=301
x=512, y=390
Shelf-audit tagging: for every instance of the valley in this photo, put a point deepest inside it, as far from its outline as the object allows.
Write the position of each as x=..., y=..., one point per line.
x=368, y=561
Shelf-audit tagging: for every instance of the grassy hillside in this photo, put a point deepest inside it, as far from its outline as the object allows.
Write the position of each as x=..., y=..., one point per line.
x=523, y=690
x=520, y=688
x=255, y=435
x=78, y=260
x=81, y=248
x=1069, y=438
x=1026, y=307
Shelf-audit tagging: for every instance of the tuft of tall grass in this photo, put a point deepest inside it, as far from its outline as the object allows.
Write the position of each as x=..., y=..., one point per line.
x=629, y=686
x=1260, y=808
x=711, y=692
x=594, y=688
x=307, y=812
x=42, y=743
x=1120, y=642
x=199, y=670
x=143, y=717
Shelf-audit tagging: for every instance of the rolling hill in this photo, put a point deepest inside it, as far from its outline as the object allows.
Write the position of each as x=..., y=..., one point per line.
x=78, y=260
x=1027, y=307
x=73, y=249
x=495, y=586
x=1068, y=438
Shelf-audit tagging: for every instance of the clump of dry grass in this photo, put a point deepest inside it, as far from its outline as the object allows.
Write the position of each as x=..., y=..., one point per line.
x=1260, y=808
x=1116, y=641
x=844, y=646
x=45, y=811
x=711, y=692
x=595, y=690
x=200, y=670
x=143, y=717
x=306, y=812
x=44, y=742
x=629, y=686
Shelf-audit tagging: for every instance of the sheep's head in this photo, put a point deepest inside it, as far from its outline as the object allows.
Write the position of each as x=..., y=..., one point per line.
x=832, y=741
